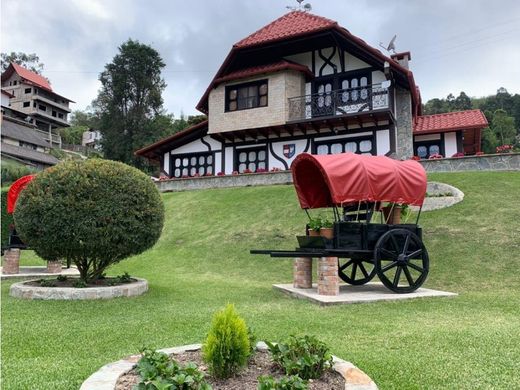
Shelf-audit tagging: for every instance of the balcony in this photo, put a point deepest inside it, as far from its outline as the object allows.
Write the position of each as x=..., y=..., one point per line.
x=341, y=103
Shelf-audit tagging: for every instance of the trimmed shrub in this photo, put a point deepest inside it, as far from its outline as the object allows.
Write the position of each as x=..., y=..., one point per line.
x=7, y=219
x=94, y=213
x=267, y=382
x=227, y=347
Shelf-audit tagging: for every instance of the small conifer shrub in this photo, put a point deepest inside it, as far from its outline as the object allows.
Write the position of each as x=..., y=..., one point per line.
x=227, y=347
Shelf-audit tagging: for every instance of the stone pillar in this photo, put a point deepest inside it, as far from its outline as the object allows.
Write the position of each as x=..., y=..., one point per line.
x=53, y=267
x=11, y=262
x=328, y=282
x=404, y=125
x=302, y=272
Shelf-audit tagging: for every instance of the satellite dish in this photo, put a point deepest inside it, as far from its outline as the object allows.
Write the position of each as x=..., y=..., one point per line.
x=307, y=7
x=299, y=1
x=390, y=46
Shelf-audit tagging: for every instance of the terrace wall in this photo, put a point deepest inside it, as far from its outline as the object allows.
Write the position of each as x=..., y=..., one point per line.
x=495, y=162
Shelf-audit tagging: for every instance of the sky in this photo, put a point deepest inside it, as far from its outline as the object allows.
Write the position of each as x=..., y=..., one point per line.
x=456, y=45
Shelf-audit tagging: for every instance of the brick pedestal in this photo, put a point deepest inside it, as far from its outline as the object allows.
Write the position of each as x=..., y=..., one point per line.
x=328, y=282
x=11, y=262
x=54, y=267
x=302, y=272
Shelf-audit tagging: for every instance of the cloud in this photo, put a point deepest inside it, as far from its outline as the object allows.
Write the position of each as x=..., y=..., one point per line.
x=469, y=45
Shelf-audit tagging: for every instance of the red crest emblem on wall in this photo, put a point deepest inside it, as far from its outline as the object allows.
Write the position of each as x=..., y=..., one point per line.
x=289, y=150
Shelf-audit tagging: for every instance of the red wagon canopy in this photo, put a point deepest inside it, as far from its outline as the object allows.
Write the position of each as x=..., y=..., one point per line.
x=14, y=191
x=347, y=178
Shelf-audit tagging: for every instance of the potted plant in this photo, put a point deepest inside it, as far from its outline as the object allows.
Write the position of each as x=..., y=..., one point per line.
x=326, y=229
x=314, y=226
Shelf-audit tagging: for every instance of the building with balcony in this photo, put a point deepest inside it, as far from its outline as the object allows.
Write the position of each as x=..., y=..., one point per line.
x=32, y=94
x=305, y=84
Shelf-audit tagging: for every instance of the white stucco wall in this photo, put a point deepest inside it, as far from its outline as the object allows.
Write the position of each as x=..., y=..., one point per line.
x=229, y=161
x=278, y=150
x=166, y=163
x=450, y=144
x=383, y=142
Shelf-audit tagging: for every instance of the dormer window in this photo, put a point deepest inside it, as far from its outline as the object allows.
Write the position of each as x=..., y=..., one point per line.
x=248, y=95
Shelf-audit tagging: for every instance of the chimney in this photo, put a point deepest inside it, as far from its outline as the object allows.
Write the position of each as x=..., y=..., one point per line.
x=402, y=58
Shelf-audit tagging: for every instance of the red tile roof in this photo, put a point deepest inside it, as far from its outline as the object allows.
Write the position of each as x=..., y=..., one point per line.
x=292, y=24
x=268, y=68
x=450, y=121
x=32, y=77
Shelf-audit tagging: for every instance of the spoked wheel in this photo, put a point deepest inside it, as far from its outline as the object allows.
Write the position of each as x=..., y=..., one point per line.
x=401, y=260
x=356, y=271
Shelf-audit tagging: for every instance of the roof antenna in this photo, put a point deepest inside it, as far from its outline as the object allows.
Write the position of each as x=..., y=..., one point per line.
x=391, y=45
x=305, y=7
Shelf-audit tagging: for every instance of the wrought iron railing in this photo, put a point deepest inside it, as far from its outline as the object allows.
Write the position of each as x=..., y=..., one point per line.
x=339, y=102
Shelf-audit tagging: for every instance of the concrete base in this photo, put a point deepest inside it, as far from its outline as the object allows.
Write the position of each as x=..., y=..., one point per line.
x=370, y=292
x=31, y=272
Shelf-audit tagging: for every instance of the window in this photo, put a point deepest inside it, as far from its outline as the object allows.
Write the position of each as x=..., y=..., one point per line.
x=27, y=104
x=14, y=82
x=251, y=158
x=191, y=164
x=244, y=96
x=42, y=107
x=53, y=113
x=363, y=145
x=28, y=90
x=425, y=149
x=60, y=115
x=34, y=104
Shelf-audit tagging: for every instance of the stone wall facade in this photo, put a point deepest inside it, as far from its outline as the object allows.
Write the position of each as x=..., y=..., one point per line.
x=493, y=162
x=403, y=131
x=281, y=86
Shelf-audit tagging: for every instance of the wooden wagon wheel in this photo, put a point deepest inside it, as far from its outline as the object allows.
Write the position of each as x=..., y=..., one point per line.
x=401, y=260
x=356, y=271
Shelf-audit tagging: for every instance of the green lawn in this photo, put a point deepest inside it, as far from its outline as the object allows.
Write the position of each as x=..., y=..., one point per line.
x=202, y=262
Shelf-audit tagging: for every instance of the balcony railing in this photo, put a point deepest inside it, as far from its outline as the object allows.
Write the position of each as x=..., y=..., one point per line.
x=339, y=102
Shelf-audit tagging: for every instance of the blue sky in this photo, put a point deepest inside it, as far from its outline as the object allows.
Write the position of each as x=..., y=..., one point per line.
x=464, y=45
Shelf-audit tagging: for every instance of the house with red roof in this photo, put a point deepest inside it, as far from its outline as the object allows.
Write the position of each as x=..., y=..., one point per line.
x=33, y=95
x=302, y=84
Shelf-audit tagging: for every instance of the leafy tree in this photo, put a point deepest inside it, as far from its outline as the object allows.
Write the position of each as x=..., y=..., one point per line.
x=130, y=101
x=489, y=141
x=504, y=127
x=94, y=213
x=29, y=61
x=435, y=106
x=462, y=102
x=72, y=135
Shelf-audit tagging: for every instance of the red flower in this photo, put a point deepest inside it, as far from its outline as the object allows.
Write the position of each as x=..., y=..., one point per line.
x=479, y=154
x=435, y=156
x=457, y=155
x=221, y=174
x=416, y=158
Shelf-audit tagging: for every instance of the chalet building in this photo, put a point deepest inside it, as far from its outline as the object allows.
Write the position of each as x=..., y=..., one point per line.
x=33, y=95
x=20, y=140
x=305, y=84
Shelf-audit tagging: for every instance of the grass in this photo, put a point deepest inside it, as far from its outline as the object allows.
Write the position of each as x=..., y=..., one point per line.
x=202, y=262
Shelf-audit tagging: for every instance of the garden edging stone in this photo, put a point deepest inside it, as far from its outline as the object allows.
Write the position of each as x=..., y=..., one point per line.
x=106, y=377
x=25, y=291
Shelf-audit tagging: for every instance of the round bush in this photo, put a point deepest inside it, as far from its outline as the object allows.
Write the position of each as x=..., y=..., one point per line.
x=93, y=213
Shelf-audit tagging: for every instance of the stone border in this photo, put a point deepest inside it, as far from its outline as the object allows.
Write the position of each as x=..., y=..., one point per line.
x=106, y=377
x=436, y=203
x=23, y=291
x=488, y=162
x=36, y=271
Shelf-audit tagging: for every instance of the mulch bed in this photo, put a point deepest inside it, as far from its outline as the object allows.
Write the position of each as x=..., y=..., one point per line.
x=70, y=282
x=260, y=364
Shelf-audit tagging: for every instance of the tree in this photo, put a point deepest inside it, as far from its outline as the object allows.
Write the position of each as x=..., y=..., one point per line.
x=29, y=61
x=504, y=127
x=93, y=213
x=462, y=102
x=130, y=101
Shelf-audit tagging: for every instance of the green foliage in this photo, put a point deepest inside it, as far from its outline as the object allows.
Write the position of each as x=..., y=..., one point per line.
x=79, y=284
x=504, y=127
x=29, y=61
x=227, y=347
x=47, y=283
x=94, y=213
x=129, y=102
x=62, y=278
x=58, y=153
x=293, y=382
x=304, y=356
x=7, y=219
x=158, y=371
x=12, y=172
x=315, y=223
x=72, y=135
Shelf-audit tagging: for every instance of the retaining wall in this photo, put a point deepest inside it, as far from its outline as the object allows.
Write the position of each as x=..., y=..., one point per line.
x=493, y=162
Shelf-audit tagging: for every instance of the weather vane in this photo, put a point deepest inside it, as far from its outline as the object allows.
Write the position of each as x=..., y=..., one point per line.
x=300, y=7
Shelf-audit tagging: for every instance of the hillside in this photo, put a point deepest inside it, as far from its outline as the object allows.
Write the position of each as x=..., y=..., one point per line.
x=202, y=262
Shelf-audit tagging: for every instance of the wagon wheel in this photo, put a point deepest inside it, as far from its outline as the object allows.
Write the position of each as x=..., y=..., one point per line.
x=356, y=271
x=401, y=260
